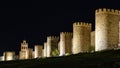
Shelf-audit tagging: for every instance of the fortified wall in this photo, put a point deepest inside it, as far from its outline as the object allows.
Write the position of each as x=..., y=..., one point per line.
x=106, y=36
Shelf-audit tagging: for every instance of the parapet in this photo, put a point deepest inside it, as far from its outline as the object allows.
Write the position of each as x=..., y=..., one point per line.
x=38, y=45
x=52, y=38
x=82, y=24
x=109, y=11
x=67, y=33
x=9, y=52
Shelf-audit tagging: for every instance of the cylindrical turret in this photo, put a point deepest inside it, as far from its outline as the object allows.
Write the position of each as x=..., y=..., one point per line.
x=52, y=44
x=81, y=37
x=106, y=29
x=65, y=43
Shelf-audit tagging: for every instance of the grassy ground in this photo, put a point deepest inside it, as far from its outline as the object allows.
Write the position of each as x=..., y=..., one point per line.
x=104, y=59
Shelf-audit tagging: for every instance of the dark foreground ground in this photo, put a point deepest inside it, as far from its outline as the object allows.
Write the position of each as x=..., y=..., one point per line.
x=104, y=59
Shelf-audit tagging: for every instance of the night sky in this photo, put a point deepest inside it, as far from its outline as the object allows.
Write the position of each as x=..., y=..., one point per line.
x=34, y=23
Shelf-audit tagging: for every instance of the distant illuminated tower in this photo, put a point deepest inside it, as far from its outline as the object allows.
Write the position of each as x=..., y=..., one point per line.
x=65, y=43
x=106, y=29
x=24, y=49
x=38, y=51
x=9, y=55
x=52, y=45
x=81, y=37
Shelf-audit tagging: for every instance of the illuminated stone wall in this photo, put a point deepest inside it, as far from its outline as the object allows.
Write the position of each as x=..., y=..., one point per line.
x=48, y=46
x=107, y=29
x=81, y=37
x=9, y=55
x=59, y=46
x=52, y=45
x=45, y=49
x=42, y=53
x=119, y=37
x=29, y=54
x=33, y=54
x=38, y=51
x=65, y=43
x=1, y=58
x=93, y=41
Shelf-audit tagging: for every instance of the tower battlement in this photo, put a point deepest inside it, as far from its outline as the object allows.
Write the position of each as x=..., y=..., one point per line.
x=66, y=33
x=105, y=36
x=81, y=37
x=109, y=11
x=53, y=37
x=82, y=24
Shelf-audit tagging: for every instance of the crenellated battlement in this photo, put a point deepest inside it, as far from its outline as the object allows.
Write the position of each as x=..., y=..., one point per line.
x=81, y=37
x=53, y=37
x=109, y=11
x=66, y=33
x=82, y=24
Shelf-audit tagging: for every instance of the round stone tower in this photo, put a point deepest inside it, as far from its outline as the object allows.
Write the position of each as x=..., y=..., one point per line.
x=65, y=43
x=52, y=45
x=106, y=29
x=81, y=37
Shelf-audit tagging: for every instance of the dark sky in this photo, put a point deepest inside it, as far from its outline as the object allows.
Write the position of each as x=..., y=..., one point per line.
x=35, y=21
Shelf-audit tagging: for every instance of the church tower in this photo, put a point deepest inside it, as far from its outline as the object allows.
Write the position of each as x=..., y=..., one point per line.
x=24, y=48
x=24, y=45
